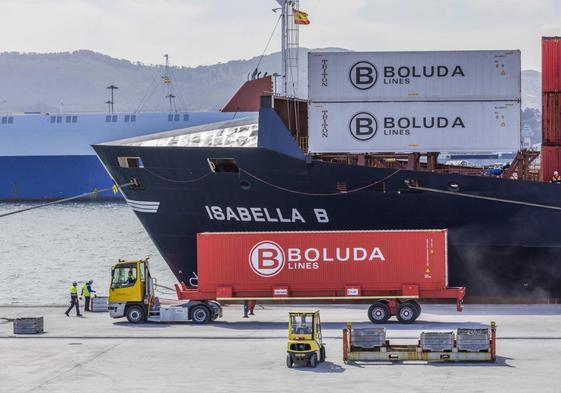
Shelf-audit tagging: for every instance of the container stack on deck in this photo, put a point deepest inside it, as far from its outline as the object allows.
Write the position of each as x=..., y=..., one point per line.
x=551, y=107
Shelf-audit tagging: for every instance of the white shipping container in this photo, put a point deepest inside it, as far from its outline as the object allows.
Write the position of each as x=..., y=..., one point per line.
x=421, y=76
x=370, y=127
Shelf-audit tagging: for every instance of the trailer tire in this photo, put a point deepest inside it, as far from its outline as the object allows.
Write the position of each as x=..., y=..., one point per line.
x=406, y=312
x=417, y=306
x=289, y=362
x=135, y=314
x=200, y=314
x=379, y=312
x=313, y=360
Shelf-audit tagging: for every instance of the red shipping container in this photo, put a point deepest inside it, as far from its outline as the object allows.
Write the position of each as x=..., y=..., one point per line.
x=551, y=119
x=338, y=263
x=550, y=162
x=551, y=64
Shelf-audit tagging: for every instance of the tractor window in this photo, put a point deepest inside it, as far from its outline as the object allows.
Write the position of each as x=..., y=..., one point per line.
x=302, y=324
x=124, y=276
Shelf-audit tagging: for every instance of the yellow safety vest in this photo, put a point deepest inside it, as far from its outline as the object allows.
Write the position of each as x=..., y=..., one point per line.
x=85, y=290
x=73, y=290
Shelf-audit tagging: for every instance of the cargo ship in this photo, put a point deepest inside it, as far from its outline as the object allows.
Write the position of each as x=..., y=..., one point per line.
x=277, y=172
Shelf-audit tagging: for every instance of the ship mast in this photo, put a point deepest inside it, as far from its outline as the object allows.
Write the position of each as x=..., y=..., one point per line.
x=289, y=47
x=167, y=82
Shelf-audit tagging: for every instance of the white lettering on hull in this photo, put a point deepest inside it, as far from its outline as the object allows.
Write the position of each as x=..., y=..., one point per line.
x=263, y=214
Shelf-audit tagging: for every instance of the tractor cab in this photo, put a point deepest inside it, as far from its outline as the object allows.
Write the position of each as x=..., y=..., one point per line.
x=131, y=292
x=305, y=343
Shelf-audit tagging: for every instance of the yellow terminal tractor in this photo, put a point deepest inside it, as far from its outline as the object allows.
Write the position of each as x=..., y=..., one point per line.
x=132, y=295
x=305, y=344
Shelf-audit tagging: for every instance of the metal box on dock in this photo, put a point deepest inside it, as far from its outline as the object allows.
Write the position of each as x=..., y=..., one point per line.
x=473, y=340
x=28, y=325
x=174, y=314
x=368, y=337
x=437, y=341
x=99, y=304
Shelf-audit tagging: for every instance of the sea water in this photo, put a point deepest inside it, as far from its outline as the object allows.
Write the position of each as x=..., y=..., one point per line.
x=43, y=251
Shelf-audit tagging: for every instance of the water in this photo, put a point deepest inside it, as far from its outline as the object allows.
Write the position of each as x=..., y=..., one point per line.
x=42, y=251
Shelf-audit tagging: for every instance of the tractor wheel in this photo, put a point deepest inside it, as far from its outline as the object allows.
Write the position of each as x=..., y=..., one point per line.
x=200, y=314
x=136, y=314
x=379, y=312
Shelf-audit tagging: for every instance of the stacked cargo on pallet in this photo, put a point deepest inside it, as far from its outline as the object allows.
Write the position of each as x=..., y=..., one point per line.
x=551, y=107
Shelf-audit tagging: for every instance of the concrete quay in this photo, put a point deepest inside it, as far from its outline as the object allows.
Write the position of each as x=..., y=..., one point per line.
x=97, y=353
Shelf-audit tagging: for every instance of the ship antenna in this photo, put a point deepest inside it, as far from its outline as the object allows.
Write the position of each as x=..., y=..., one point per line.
x=111, y=102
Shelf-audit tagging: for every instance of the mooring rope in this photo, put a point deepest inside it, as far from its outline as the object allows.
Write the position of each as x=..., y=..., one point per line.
x=502, y=200
x=86, y=194
x=178, y=181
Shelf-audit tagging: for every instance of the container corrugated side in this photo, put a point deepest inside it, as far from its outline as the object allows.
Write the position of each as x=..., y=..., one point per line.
x=414, y=76
x=550, y=162
x=551, y=64
x=320, y=263
x=366, y=127
x=551, y=119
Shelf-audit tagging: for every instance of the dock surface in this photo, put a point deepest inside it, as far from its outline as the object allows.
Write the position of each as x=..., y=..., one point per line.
x=97, y=353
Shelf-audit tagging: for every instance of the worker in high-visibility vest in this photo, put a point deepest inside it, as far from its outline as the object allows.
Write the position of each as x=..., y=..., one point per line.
x=87, y=293
x=74, y=299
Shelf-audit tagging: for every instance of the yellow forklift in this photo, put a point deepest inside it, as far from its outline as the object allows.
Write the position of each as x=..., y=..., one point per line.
x=132, y=295
x=305, y=344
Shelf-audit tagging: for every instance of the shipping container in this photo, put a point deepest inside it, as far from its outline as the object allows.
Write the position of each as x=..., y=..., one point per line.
x=418, y=76
x=369, y=127
x=551, y=119
x=390, y=269
x=551, y=64
x=550, y=162
x=322, y=261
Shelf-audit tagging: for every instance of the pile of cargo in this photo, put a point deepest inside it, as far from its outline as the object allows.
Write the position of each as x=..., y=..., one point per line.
x=368, y=344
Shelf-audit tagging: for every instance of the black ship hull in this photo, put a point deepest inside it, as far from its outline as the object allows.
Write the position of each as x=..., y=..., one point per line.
x=495, y=248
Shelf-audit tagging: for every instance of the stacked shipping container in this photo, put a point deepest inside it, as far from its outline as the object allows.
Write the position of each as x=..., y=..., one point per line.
x=551, y=107
x=453, y=101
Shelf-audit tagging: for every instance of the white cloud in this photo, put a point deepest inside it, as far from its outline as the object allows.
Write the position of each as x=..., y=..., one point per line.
x=197, y=32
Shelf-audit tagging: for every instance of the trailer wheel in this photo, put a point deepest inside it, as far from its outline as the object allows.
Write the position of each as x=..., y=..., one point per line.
x=200, y=314
x=379, y=312
x=135, y=314
x=406, y=312
x=313, y=360
x=289, y=361
x=417, y=306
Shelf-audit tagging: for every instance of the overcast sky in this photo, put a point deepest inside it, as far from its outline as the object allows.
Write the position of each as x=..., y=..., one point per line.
x=196, y=32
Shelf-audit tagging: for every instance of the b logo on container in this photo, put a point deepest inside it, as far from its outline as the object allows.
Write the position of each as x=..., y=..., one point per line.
x=266, y=259
x=363, y=126
x=363, y=75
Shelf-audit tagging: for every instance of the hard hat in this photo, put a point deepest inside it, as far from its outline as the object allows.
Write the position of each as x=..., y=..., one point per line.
x=555, y=173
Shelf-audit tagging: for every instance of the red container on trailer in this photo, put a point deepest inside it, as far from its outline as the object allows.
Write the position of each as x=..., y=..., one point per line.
x=322, y=264
x=550, y=162
x=551, y=119
x=551, y=64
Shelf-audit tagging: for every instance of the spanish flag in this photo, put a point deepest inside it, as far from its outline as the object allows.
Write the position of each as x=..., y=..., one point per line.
x=300, y=17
